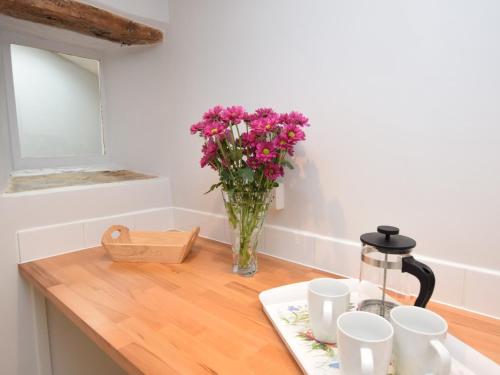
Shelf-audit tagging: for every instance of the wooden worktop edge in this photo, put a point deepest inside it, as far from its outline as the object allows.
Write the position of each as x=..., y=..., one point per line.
x=118, y=357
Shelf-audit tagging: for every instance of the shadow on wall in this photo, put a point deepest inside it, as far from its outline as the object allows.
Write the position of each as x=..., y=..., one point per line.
x=319, y=215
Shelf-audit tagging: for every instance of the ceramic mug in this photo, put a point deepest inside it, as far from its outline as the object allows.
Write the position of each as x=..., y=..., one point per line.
x=364, y=341
x=418, y=341
x=327, y=299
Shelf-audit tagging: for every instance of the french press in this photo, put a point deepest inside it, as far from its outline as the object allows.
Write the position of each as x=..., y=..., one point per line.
x=387, y=250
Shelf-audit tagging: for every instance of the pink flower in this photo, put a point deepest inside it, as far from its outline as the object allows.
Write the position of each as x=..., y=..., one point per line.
x=266, y=151
x=265, y=112
x=284, y=144
x=197, y=128
x=293, y=134
x=268, y=138
x=209, y=150
x=233, y=114
x=260, y=113
x=249, y=139
x=213, y=128
x=253, y=163
x=213, y=114
x=294, y=118
x=265, y=124
x=273, y=171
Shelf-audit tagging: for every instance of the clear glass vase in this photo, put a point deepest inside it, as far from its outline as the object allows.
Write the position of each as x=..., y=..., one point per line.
x=246, y=213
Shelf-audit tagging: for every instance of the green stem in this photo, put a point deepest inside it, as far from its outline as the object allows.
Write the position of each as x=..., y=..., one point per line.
x=219, y=143
x=251, y=211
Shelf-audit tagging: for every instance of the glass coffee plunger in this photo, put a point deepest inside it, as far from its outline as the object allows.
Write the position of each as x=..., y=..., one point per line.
x=387, y=252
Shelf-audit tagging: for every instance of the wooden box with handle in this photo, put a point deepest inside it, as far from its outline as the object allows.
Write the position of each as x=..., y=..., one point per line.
x=124, y=245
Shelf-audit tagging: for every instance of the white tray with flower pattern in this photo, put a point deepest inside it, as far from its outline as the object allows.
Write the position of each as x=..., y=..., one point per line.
x=286, y=307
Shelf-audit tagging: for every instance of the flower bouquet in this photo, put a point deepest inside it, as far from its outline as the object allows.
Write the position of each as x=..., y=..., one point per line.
x=249, y=151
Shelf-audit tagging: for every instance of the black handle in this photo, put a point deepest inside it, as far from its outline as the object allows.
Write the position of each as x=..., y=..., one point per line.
x=387, y=230
x=426, y=277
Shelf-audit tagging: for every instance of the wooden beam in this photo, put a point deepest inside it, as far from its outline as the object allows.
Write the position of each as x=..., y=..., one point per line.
x=82, y=18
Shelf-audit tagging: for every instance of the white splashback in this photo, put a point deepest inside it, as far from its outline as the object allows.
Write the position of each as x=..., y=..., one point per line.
x=46, y=241
x=459, y=285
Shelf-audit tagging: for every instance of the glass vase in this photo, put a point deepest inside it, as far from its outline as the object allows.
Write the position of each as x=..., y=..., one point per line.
x=246, y=213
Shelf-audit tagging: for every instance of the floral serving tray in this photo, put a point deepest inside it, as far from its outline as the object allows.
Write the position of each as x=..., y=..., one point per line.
x=286, y=307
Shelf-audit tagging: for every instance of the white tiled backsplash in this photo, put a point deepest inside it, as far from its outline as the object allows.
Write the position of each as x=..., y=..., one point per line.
x=93, y=229
x=51, y=240
x=456, y=284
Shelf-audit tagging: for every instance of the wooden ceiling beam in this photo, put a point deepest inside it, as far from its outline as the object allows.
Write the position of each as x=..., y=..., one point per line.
x=82, y=18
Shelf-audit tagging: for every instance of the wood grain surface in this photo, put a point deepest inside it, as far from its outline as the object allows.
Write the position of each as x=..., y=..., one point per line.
x=194, y=317
x=82, y=18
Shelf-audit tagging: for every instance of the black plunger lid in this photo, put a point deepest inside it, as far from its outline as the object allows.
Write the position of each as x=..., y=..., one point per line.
x=388, y=240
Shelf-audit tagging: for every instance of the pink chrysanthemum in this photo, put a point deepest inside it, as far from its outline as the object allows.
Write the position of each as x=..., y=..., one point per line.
x=209, y=150
x=197, y=128
x=249, y=139
x=233, y=114
x=284, y=144
x=261, y=113
x=273, y=171
x=265, y=124
x=293, y=134
x=265, y=151
x=253, y=163
x=213, y=129
x=264, y=146
x=213, y=114
x=294, y=118
x=265, y=112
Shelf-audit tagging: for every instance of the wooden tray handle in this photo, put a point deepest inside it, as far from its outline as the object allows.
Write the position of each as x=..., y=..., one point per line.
x=192, y=237
x=116, y=234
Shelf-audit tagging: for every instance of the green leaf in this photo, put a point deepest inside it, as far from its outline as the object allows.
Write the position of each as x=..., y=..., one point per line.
x=213, y=187
x=225, y=175
x=286, y=163
x=236, y=154
x=246, y=174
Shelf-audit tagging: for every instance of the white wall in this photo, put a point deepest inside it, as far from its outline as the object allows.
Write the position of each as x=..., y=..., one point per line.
x=136, y=108
x=57, y=104
x=403, y=101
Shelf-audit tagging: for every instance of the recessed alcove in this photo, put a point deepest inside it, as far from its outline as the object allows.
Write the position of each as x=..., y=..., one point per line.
x=31, y=182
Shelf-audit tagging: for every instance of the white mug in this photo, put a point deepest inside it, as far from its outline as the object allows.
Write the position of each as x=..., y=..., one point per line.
x=327, y=299
x=418, y=341
x=364, y=340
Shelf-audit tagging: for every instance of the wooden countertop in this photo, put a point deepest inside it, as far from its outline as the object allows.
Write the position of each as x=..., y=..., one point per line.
x=194, y=317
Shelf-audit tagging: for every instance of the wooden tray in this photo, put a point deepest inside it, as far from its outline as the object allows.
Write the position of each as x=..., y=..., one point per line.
x=286, y=308
x=124, y=245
